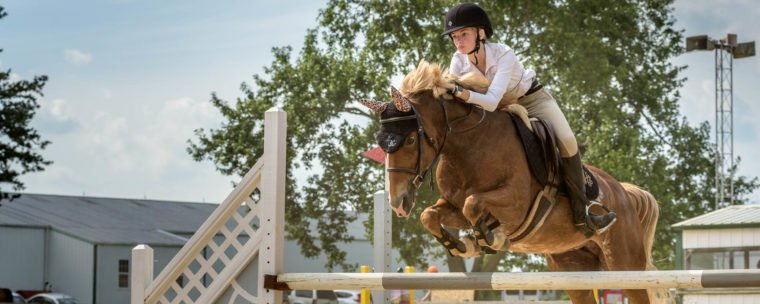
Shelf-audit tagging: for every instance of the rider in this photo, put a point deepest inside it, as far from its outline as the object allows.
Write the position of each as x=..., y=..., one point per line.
x=468, y=27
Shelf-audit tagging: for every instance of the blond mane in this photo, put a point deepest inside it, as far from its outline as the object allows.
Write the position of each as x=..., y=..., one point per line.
x=427, y=76
x=431, y=76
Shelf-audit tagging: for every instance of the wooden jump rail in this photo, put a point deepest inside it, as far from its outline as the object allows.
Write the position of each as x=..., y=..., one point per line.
x=517, y=280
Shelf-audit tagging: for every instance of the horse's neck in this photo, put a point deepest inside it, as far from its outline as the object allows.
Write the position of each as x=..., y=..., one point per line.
x=485, y=147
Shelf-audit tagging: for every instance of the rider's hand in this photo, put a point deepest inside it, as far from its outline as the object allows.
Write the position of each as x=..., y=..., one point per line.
x=445, y=88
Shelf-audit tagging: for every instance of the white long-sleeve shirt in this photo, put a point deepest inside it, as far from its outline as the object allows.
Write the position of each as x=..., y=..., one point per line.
x=505, y=72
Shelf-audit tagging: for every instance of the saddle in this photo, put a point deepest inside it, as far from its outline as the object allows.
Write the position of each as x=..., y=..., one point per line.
x=543, y=154
x=543, y=159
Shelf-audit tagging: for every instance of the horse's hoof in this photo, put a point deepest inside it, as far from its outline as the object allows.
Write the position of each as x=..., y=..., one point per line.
x=472, y=248
x=483, y=233
x=500, y=241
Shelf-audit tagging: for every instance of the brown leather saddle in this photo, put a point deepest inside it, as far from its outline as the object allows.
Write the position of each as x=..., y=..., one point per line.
x=543, y=159
x=543, y=154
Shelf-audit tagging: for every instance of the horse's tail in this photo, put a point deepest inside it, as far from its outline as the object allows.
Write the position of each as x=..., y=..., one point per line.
x=648, y=213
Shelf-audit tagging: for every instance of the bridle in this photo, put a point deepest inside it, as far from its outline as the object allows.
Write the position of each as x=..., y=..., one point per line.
x=420, y=174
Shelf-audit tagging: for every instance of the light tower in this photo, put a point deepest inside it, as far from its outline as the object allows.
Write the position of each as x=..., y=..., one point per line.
x=725, y=51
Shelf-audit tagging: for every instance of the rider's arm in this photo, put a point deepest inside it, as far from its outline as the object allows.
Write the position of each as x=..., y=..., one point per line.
x=499, y=85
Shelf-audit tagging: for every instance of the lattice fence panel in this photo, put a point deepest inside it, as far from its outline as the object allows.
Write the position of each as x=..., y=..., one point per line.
x=227, y=243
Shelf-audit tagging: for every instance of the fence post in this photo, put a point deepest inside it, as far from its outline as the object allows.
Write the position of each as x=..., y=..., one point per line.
x=273, y=194
x=142, y=272
x=382, y=242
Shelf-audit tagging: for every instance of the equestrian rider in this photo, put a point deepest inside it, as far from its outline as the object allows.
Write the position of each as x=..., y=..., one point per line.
x=468, y=26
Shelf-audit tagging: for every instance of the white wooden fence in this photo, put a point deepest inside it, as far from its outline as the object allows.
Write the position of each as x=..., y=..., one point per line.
x=248, y=224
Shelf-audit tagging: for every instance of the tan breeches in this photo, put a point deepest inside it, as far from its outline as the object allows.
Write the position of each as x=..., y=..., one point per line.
x=541, y=104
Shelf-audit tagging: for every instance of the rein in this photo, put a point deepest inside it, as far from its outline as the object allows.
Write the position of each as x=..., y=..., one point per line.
x=420, y=175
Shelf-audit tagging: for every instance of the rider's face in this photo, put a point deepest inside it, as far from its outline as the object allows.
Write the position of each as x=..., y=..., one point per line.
x=464, y=39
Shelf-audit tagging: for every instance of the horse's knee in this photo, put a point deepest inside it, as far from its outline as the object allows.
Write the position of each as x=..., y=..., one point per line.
x=472, y=209
x=431, y=221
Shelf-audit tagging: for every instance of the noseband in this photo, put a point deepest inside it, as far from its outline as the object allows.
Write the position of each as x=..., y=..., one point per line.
x=419, y=174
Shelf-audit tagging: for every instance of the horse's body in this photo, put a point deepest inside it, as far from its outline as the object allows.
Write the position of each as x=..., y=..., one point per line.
x=484, y=171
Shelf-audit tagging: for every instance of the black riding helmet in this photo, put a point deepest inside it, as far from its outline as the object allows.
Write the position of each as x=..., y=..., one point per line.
x=467, y=15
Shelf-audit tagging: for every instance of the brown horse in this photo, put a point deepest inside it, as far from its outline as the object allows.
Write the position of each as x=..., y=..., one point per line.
x=483, y=175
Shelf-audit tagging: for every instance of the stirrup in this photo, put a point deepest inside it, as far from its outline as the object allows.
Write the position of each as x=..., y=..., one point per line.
x=590, y=225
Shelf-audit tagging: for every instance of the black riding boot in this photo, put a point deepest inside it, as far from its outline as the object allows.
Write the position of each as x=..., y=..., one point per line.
x=576, y=187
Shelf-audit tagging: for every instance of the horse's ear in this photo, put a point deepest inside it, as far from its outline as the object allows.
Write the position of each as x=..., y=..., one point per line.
x=376, y=105
x=401, y=102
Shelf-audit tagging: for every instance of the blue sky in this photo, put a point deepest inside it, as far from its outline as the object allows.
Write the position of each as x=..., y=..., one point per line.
x=131, y=80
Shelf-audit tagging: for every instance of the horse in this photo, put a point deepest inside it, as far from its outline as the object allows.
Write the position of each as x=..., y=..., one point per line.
x=483, y=177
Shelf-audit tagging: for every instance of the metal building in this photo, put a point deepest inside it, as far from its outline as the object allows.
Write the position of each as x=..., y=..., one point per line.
x=728, y=238
x=82, y=246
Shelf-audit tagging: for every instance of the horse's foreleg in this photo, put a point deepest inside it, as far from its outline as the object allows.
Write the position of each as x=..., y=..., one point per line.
x=484, y=211
x=441, y=214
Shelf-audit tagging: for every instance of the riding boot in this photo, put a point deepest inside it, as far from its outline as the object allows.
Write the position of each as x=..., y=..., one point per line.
x=586, y=222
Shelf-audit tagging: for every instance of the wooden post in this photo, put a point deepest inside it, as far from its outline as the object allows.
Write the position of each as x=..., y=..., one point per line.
x=142, y=272
x=273, y=195
x=382, y=242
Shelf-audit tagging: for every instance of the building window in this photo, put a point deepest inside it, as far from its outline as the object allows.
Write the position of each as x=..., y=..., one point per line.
x=754, y=259
x=722, y=258
x=123, y=273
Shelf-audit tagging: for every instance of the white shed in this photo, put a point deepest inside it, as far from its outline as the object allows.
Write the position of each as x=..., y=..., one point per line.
x=728, y=238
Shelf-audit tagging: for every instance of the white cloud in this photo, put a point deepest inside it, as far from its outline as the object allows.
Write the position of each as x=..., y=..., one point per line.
x=14, y=77
x=77, y=57
x=58, y=109
x=107, y=94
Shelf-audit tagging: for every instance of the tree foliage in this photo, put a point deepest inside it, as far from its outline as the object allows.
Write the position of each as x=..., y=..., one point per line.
x=607, y=63
x=19, y=142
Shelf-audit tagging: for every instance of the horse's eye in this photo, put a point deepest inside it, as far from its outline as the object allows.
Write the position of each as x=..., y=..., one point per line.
x=410, y=140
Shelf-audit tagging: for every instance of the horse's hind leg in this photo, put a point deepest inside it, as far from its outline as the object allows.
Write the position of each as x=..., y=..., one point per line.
x=629, y=255
x=582, y=259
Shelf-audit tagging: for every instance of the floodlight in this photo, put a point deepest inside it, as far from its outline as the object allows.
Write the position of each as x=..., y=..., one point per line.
x=731, y=39
x=744, y=49
x=696, y=43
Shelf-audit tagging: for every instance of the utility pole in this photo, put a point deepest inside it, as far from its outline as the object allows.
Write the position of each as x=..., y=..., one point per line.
x=726, y=50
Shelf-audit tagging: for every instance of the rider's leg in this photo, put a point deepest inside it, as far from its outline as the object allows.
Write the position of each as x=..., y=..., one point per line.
x=541, y=104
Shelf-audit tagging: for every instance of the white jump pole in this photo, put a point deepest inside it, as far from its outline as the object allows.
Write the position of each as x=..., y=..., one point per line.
x=522, y=280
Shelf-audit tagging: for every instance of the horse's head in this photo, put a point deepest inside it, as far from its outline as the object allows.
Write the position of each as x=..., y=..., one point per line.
x=412, y=132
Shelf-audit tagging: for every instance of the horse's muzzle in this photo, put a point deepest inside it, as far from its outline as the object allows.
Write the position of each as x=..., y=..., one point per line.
x=403, y=204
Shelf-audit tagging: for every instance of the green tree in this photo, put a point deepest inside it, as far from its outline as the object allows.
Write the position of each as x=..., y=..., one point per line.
x=606, y=62
x=19, y=142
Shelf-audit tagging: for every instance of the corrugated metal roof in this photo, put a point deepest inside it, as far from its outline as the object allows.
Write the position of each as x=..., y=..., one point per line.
x=107, y=220
x=732, y=215
x=121, y=221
